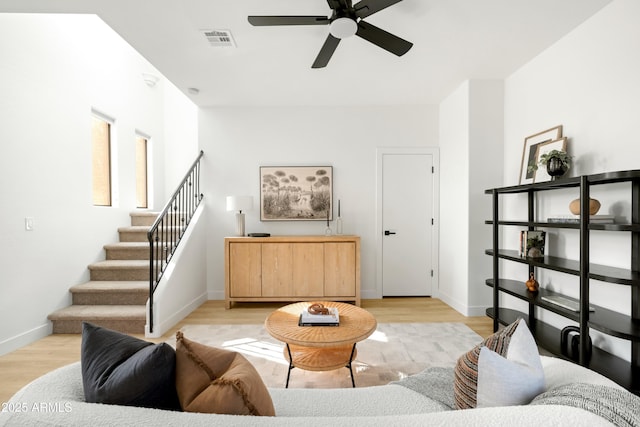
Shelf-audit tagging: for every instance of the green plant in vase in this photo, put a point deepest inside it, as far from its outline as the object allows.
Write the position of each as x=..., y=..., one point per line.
x=557, y=162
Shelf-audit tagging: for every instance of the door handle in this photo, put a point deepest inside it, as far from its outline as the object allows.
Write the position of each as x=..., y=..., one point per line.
x=387, y=232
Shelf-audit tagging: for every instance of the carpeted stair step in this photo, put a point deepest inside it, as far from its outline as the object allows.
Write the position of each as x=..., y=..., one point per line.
x=122, y=270
x=110, y=292
x=130, y=319
x=138, y=233
x=143, y=218
x=133, y=233
x=127, y=250
x=148, y=218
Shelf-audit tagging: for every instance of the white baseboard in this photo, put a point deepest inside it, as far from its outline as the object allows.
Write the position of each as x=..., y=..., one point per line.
x=476, y=311
x=468, y=311
x=456, y=305
x=26, y=338
x=171, y=320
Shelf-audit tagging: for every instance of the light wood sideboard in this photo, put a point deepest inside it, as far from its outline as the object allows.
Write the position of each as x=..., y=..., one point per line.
x=292, y=268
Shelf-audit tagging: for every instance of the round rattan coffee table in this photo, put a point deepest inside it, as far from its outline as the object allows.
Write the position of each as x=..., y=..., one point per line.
x=320, y=348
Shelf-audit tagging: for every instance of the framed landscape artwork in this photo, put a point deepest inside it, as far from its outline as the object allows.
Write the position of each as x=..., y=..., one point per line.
x=530, y=151
x=296, y=193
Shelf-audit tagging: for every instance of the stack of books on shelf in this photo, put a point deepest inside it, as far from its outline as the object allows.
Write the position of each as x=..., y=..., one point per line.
x=331, y=319
x=575, y=219
x=564, y=302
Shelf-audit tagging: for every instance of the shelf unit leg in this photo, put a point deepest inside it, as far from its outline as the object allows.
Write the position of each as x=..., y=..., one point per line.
x=584, y=270
x=496, y=263
x=531, y=218
x=635, y=290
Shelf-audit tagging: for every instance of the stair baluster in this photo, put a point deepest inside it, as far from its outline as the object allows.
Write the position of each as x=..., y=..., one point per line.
x=169, y=227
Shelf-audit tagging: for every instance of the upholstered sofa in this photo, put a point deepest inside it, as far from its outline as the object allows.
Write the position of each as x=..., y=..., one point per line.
x=57, y=399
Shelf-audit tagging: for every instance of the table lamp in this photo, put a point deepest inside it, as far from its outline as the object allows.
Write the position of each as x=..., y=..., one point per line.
x=239, y=203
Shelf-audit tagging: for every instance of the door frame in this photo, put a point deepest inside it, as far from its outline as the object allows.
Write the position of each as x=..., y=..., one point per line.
x=435, y=245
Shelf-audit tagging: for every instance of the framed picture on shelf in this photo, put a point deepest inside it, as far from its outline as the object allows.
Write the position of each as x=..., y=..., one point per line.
x=545, y=148
x=530, y=150
x=532, y=243
x=296, y=193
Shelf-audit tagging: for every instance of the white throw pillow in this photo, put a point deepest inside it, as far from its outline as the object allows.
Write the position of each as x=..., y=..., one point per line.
x=512, y=380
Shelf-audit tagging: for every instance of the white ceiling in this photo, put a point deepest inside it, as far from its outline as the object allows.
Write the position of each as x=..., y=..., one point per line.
x=454, y=40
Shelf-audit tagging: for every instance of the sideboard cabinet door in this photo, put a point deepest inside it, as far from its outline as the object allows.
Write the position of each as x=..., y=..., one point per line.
x=245, y=269
x=340, y=269
x=277, y=269
x=308, y=270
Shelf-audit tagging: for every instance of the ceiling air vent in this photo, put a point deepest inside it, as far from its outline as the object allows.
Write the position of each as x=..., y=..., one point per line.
x=219, y=38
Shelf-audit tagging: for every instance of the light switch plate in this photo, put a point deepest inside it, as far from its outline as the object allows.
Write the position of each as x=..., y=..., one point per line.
x=28, y=223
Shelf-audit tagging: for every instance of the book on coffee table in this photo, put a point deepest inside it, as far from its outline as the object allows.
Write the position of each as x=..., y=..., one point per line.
x=331, y=319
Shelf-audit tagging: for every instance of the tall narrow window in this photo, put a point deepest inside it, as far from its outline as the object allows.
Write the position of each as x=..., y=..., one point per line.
x=141, y=172
x=101, y=142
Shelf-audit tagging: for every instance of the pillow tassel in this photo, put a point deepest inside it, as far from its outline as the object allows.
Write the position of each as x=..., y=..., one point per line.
x=195, y=358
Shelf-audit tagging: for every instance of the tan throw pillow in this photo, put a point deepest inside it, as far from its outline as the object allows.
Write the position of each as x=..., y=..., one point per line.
x=505, y=369
x=214, y=380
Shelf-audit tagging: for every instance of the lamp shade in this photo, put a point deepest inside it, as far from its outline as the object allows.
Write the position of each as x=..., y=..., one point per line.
x=239, y=203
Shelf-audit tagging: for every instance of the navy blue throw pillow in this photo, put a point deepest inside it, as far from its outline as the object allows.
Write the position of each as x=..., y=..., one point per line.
x=120, y=369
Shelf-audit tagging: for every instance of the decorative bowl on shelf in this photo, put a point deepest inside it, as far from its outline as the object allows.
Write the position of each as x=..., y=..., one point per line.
x=594, y=206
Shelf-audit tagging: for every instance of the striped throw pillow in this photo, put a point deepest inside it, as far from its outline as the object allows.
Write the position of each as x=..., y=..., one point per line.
x=504, y=369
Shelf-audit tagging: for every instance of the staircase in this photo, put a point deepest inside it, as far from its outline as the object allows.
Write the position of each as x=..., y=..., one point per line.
x=117, y=293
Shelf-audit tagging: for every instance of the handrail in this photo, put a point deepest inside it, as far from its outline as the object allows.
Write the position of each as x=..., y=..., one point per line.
x=169, y=227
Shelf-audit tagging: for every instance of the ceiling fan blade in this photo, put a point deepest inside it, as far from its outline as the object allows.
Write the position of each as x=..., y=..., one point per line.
x=329, y=46
x=339, y=4
x=288, y=20
x=381, y=38
x=365, y=8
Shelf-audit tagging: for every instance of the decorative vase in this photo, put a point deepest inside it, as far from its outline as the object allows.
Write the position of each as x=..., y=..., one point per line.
x=532, y=284
x=594, y=206
x=535, y=253
x=556, y=167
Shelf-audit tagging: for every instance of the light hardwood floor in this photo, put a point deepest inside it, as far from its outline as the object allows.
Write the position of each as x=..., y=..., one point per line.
x=25, y=364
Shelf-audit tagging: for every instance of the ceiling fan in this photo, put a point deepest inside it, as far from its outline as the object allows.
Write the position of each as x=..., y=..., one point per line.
x=345, y=21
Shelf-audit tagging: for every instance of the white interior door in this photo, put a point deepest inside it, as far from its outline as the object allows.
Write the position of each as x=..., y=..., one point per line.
x=407, y=224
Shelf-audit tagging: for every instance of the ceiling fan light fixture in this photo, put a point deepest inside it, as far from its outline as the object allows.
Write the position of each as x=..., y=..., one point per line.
x=343, y=27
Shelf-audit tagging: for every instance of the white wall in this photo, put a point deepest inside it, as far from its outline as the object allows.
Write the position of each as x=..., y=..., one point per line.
x=181, y=135
x=588, y=82
x=243, y=139
x=454, y=200
x=55, y=69
x=471, y=137
x=486, y=129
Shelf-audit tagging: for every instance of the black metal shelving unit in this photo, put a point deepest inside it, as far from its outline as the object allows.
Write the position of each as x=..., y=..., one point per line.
x=601, y=319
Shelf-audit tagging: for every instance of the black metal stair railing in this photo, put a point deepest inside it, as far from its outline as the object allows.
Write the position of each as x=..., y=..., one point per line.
x=169, y=227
